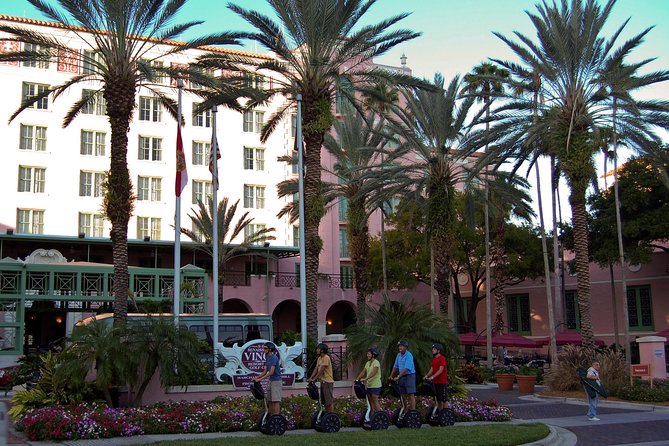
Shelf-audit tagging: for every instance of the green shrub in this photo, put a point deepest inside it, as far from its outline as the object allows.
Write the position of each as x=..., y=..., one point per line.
x=640, y=390
x=470, y=373
x=562, y=376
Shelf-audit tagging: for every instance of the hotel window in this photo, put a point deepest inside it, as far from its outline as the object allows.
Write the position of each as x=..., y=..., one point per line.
x=293, y=125
x=202, y=191
x=91, y=62
x=254, y=196
x=32, y=179
x=346, y=276
x=254, y=81
x=96, y=104
x=201, y=119
x=33, y=137
x=30, y=90
x=201, y=153
x=90, y=183
x=149, y=188
x=159, y=76
x=149, y=109
x=518, y=313
x=150, y=149
x=572, y=314
x=251, y=229
x=343, y=243
x=296, y=236
x=91, y=224
x=254, y=158
x=343, y=209
x=148, y=226
x=639, y=307
x=29, y=221
x=35, y=63
x=253, y=121
x=93, y=143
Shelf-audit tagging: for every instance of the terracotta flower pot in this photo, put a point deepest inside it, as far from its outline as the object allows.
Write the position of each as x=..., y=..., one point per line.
x=526, y=383
x=505, y=381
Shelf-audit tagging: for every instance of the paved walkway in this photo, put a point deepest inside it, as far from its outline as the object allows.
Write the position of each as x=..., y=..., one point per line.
x=622, y=424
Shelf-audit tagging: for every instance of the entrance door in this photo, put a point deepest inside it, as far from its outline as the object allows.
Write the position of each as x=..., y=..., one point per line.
x=44, y=324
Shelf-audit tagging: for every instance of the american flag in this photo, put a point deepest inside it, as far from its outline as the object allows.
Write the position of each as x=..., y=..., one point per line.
x=213, y=163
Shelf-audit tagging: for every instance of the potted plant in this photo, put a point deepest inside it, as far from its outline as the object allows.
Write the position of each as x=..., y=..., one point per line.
x=527, y=378
x=505, y=377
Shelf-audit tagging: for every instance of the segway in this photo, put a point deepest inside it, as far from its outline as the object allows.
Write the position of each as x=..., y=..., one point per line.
x=321, y=420
x=371, y=420
x=403, y=416
x=268, y=424
x=434, y=416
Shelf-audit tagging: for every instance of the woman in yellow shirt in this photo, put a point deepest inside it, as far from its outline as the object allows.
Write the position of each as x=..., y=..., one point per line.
x=371, y=376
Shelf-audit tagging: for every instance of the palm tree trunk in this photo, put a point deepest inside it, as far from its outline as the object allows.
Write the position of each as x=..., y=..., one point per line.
x=314, y=210
x=557, y=271
x=500, y=259
x=118, y=201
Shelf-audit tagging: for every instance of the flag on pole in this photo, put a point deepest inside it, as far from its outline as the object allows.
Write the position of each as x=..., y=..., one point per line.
x=213, y=163
x=182, y=173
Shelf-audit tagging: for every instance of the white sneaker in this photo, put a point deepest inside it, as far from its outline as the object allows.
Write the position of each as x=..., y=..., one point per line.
x=593, y=419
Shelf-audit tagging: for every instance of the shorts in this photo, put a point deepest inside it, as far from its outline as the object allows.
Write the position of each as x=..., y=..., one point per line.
x=374, y=391
x=408, y=384
x=327, y=393
x=441, y=392
x=274, y=392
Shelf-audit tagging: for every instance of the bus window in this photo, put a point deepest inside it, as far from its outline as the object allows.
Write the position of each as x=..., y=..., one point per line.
x=256, y=332
x=228, y=335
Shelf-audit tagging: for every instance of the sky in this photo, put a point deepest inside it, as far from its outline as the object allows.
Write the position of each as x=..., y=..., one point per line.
x=456, y=34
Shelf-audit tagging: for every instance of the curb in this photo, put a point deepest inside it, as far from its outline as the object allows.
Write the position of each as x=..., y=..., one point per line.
x=557, y=436
x=603, y=402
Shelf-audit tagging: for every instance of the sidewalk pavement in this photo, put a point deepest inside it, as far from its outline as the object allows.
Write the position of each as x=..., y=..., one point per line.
x=621, y=424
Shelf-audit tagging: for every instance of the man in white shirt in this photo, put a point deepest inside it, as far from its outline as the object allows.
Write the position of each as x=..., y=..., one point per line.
x=593, y=375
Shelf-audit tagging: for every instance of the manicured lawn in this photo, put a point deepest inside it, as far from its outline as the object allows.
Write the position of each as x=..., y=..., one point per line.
x=490, y=435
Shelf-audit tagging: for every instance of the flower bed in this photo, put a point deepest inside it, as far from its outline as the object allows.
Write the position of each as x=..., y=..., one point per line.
x=224, y=414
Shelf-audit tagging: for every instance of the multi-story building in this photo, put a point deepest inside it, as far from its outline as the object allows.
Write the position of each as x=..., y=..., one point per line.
x=54, y=241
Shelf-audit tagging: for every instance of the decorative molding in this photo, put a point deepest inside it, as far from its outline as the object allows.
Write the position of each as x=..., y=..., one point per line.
x=45, y=257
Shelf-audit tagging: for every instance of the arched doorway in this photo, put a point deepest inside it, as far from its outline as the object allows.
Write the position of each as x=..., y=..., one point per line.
x=286, y=317
x=235, y=306
x=340, y=315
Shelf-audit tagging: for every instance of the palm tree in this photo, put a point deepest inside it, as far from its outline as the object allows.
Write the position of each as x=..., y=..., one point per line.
x=483, y=82
x=571, y=57
x=322, y=51
x=432, y=131
x=123, y=39
x=228, y=231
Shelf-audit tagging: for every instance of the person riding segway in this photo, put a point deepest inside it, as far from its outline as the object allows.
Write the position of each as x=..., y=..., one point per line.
x=403, y=381
x=324, y=419
x=271, y=422
x=368, y=385
x=436, y=384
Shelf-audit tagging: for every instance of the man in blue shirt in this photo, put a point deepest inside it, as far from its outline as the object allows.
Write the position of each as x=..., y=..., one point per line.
x=273, y=371
x=404, y=371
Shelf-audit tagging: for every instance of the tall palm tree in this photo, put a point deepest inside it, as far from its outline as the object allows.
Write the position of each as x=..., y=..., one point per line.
x=483, y=82
x=124, y=38
x=229, y=231
x=322, y=51
x=571, y=56
x=432, y=130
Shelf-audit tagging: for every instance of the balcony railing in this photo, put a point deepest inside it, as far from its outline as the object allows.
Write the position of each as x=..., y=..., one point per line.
x=292, y=280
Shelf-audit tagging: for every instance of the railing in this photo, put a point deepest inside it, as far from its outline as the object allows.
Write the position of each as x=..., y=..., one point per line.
x=339, y=281
x=236, y=278
x=291, y=280
x=286, y=280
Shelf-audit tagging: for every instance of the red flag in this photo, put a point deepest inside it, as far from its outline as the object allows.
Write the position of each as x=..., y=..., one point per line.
x=182, y=174
x=214, y=163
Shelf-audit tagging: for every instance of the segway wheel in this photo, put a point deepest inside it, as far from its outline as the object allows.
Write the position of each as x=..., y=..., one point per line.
x=413, y=420
x=330, y=423
x=276, y=425
x=379, y=421
x=446, y=417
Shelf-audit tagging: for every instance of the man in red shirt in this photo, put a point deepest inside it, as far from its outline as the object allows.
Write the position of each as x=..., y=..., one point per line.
x=438, y=374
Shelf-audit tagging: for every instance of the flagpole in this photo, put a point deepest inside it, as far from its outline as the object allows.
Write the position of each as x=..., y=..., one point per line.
x=177, y=223
x=303, y=269
x=214, y=210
